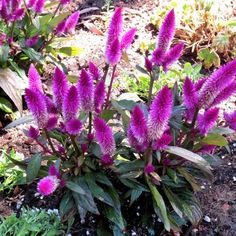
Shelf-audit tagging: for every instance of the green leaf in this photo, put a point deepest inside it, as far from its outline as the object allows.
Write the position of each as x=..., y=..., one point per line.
x=107, y=114
x=5, y=105
x=126, y=167
x=135, y=194
x=33, y=55
x=66, y=204
x=4, y=54
x=209, y=58
x=20, y=121
x=215, y=139
x=58, y=19
x=221, y=131
x=134, y=184
x=188, y=155
x=101, y=178
x=33, y=167
x=141, y=69
x=70, y=51
x=159, y=202
x=74, y=187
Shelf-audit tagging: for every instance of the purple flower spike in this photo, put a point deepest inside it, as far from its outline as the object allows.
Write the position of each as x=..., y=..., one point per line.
x=207, y=120
x=138, y=125
x=19, y=14
x=230, y=119
x=64, y=2
x=160, y=112
x=99, y=95
x=53, y=171
x=72, y=21
x=172, y=56
x=52, y=122
x=94, y=71
x=70, y=105
x=48, y=185
x=37, y=105
x=139, y=147
x=167, y=31
x=60, y=87
x=198, y=85
x=86, y=91
x=148, y=64
x=73, y=126
x=107, y=160
x=127, y=39
x=216, y=83
x=61, y=27
x=225, y=94
x=35, y=82
x=158, y=56
x=31, y=3
x=207, y=149
x=39, y=6
x=33, y=133
x=149, y=168
x=32, y=41
x=163, y=142
x=113, y=52
x=50, y=105
x=115, y=27
x=104, y=136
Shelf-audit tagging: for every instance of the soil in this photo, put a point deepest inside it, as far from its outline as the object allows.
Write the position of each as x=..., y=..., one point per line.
x=218, y=198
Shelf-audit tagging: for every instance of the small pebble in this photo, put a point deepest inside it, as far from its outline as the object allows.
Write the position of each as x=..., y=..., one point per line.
x=138, y=207
x=159, y=220
x=229, y=164
x=87, y=232
x=202, y=187
x=207, y=219
x=234, y=178
x=234, y=144
x=137, y=214
x=133, y=233
x=36, y=194
x=223, y=157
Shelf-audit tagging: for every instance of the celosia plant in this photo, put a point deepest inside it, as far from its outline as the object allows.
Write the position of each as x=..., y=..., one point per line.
x=157, y=156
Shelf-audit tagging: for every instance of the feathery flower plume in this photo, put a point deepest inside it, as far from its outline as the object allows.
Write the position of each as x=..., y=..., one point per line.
x=61, y=27
x=19, y=14
x=149, y=168
x=32, y=41
x=35, y=82
x=33, y=133
x=138, y=124
x=230, y=119
x=113, y=52
x=106, y=160
x=72, y=21
x=31, y=3
x=86, y=91
x=60, y=87
x=198, y=85
x=172, y=56
x=53, y=171
x=11, y=11
x=148, y=64
x=225, y=94
x=64, y=2
x=161, y=143
x=127, y=39
x=94, y=71
x=158, y=56
x=160, y=112
x=51, y=108
x=207, y=120
x=47, y=185
x=39, y=6
x=99, y=95
x=140, y=147
x=90, y=137
x=216, y=83
x=37, y=105
x=70, y=104
x=52, y=122
x=73, y=126
x=104, y=136
x=167, y=31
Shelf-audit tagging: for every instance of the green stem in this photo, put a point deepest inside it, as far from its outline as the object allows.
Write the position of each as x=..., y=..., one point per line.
x=55, y=12
x=148, y=156
x=50, y=141
x=28, y=12
x=12, y=29
x=110, y=86
x=194, y=117
x=74, y=144
x=106, y=69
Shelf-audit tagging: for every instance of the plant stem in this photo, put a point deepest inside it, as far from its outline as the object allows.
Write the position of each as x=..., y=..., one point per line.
x=12, y=29
x=74, y=144
x=90, y=122
x=148, y=155
x=28, y=12
x=106, y=69
x=55, y=12
x=150, y=91
x=194, y=117
x=110, y=86
x=50, y=141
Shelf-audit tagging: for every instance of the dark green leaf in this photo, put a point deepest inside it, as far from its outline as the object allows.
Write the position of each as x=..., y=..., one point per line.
x=66, y=204
x=33, y=167
x=215, y=139
x=5, y=105
x=135, y=194
x=128, y=166
x=141, y=69
x=74, y=187
x=20, y=121
x=107, y=114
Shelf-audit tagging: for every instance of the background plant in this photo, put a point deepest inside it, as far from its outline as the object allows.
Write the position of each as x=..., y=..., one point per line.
x=102, y=151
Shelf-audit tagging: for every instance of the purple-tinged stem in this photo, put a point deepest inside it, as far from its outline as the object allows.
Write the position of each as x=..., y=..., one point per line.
x=50, y=141
x=150, y=89
x=110, y=86
x=72, y=137
x=57, y=9
x=106, y=69
x=90, y=122
x=194, y=117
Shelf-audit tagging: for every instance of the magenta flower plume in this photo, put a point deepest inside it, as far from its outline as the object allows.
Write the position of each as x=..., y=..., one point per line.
x=216, y=83
x=53, y=171
x=73, y=126
x=160, y=112
x=207, y=149
x=113, y=52
x=70, y=104
x=104, y=136
x=51, y=108
x=172, y=55
x=31, y=3
x=60, y=87
x=139, y=147
x=86, y=91
x=35, y=82
x=167, y=31
x=94, y=71
x=127, y=39
x=198, y=85
x=138, y=125
x=106, y=160
x=99, y=95
x=225, y=94
x=115, y=27
x=33, y=133
x=47, y=185
x=64, y=2
x=72, y=21
x=149, y=168
x=19, y=14
x=163, y=142
x=207, y=120
x=230, y=119
x=148, y=64
x=39, y=6
x=158, y=56
x=52, y=123
x=32, y=41
x=37, y=105
x=60, y=29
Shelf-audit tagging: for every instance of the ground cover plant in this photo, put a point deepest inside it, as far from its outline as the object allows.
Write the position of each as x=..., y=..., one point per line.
x=107, y=154
x=29, y=32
